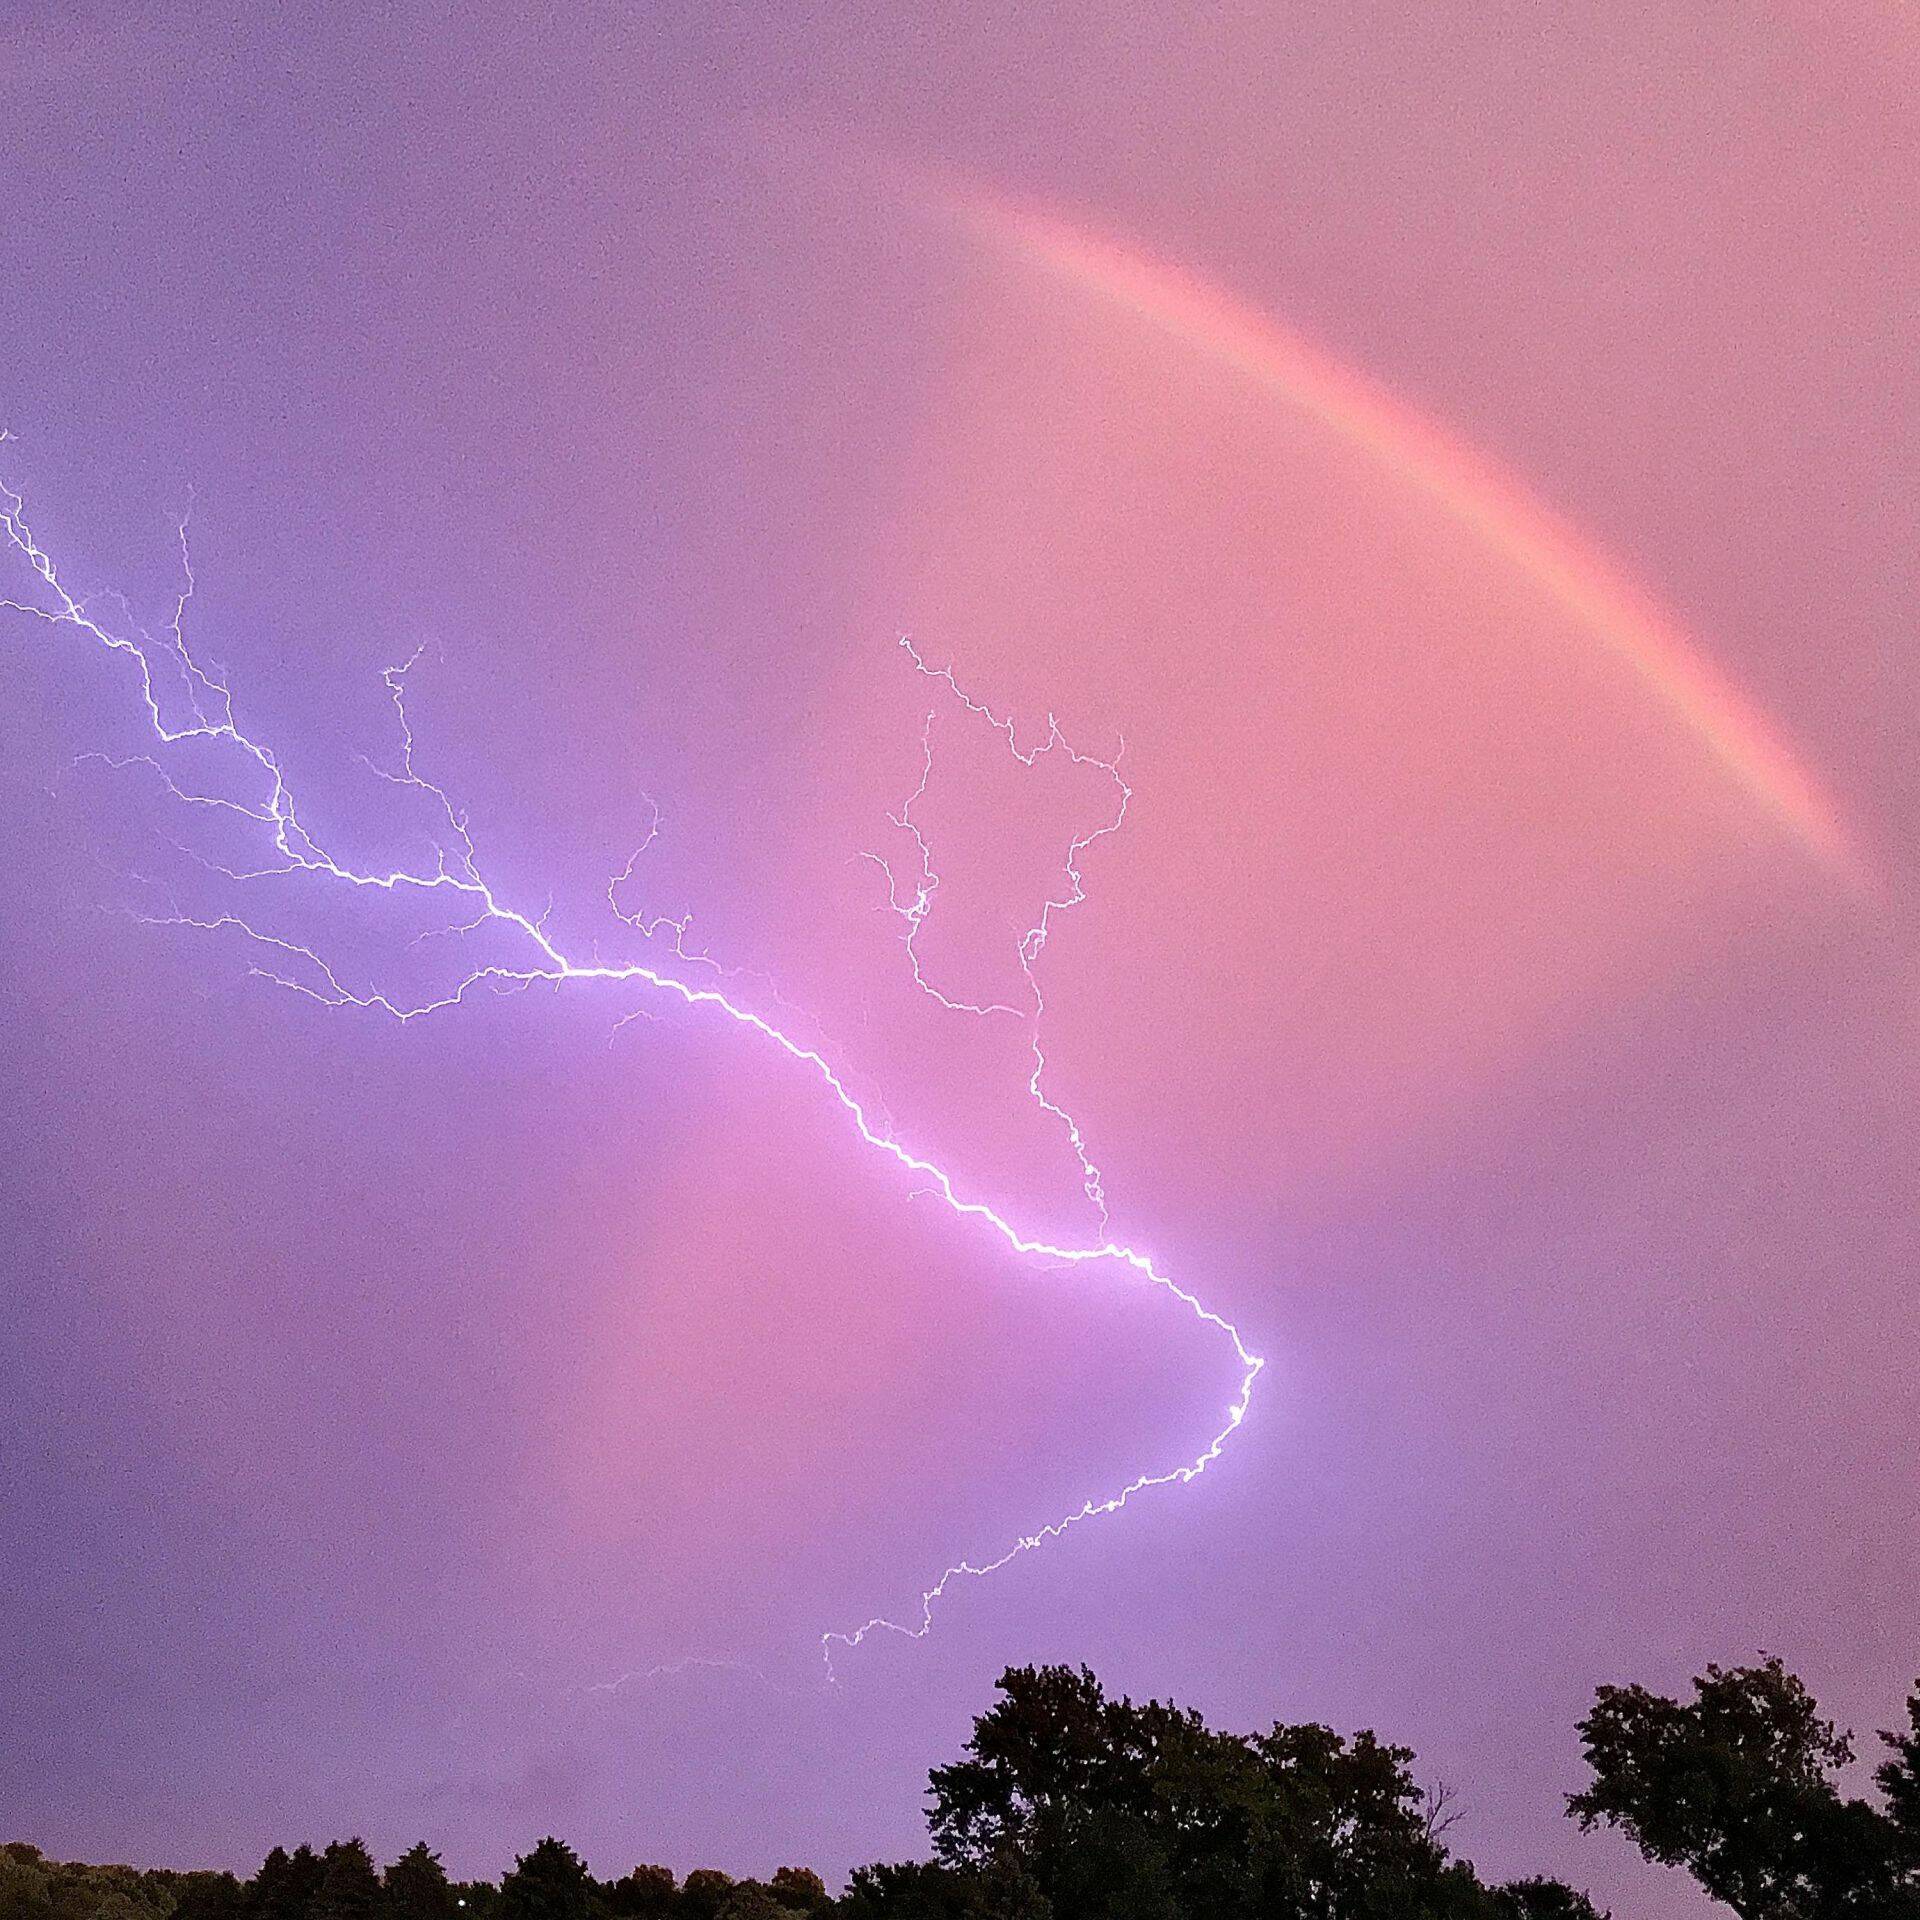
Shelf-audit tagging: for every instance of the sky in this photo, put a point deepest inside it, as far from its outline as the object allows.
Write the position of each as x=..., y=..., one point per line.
x=1465, y=455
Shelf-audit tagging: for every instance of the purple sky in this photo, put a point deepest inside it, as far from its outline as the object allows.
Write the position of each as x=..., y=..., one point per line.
x=1446, y=1015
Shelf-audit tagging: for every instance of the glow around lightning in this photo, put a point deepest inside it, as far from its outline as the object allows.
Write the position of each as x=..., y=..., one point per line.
x=196, y=709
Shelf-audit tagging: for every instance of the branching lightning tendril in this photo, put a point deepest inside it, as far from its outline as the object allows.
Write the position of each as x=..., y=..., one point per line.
x=261, y=798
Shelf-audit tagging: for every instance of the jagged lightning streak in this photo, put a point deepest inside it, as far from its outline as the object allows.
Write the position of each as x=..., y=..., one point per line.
x=456, y=871
x=915, y=909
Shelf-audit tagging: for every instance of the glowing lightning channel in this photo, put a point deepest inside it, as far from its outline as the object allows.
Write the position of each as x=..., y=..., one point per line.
x=914, y=909
x=457, y=871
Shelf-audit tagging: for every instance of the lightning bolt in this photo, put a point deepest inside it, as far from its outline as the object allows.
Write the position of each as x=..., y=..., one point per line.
x=201, y=703
x=914, y=908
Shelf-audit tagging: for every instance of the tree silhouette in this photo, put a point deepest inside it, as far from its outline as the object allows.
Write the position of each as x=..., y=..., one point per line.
x=210, y=1896
x=349, y=1886
x=799, y=1889
x=279, y=1890
x=1072, y=1804
x=1737, y=1786
x=926, y=1890
x=1898, y=1779
x=550, y=1883
x=417, y=1886
x=645, y=1893
x=1078, y=1806
x=1542, y=1900
x=286, y=1886
x=704, y=1893
x=753, y=1900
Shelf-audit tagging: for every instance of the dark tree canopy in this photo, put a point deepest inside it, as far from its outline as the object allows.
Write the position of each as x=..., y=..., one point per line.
x=210, y=1896
x=550, y=1883
x=798, y=1889
x=925, y=1890
x=280, y=1891
x=1072, y=1804
x=1898, y=1778
x=417, y=1887
x=1079, y=1806
x=754, y=1900
x=1542, y=1900
x=1737, y=1786
x=642, y=1893
x=349, y=1884
x=704, y=1893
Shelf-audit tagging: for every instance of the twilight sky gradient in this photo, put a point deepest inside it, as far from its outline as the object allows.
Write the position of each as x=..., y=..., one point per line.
x=1467, y=452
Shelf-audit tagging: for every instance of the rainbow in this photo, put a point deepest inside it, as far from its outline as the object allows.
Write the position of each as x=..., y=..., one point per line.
x=1495, y=506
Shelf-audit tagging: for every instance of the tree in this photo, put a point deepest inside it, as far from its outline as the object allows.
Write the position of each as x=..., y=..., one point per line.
x=286, y=1886
x=25, y=1891
x=108, y=1893
x=799, y=1889
x=1542, y=1900
x=645, y=1893
x=210, y=1896
x=1899, y=1780
x=1104, y=1805
x=417, y=1886
x=1111, y=1811
x=1071, y=1804
x=704, y=1892
x=1345, y=1828
x=349, y=1884
x=33, y=1887
x=925, y=1890
x=753, y=1900
x=280, y=1890
x=550, y=1883
x=1737, y=1787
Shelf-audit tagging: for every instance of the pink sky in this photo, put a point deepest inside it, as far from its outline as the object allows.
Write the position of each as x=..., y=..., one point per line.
x=1502, y=1001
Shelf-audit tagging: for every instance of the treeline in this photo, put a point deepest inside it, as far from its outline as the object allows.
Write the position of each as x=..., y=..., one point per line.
x=1072, y=1805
